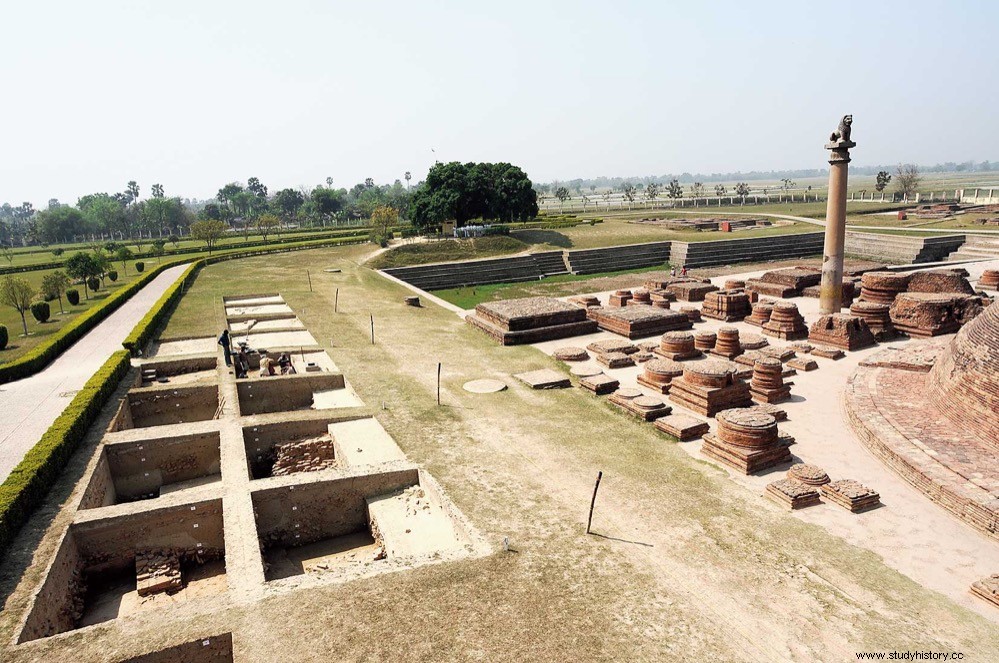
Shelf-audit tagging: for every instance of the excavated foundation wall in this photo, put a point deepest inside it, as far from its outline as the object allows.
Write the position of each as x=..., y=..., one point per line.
x=96, y=547
x=154, y=406
x=322, y=509
x=260, y=440
x=173, y=367
x=129, y=471
x=283, y=393
x=213, y=649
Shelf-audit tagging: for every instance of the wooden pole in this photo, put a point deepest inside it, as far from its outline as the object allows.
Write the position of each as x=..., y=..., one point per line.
x=593, y=501
x=310, y=279
x=438, y=383
x=336, y=300
x=372, y=328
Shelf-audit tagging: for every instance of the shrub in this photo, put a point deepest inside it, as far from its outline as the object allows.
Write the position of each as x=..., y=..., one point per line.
x=4, y=337
x=73, y=296
x=58, y=251
x=113, y=275
x=94, y=283
x=49, y=297
x=28, y=483
x=379, y=239
x=41, y=311
x=496, y=230
x=140, y=266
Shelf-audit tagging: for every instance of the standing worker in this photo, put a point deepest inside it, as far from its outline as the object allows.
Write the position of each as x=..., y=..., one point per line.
x=226, y=346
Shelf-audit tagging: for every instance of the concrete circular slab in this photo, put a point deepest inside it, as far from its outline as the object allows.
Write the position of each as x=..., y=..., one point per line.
x=585, y=371
x=485, y=386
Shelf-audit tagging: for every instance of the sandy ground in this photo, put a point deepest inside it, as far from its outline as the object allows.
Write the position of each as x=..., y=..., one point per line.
x=32, y=404
x=188, y=346
x=910, y=532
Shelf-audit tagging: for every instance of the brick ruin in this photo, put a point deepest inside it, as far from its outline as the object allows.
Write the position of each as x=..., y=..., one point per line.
x=658, y=374
x=709, y=387
x=877, y=318
x=851, y=495
x=304, y=491
x=747, y=441
x=785, y=323
x=925, y=314
x=785, y=283
x=762, y=310
x=840, y=331
x=530, y=320
x=677, y=346
x=726, y=305
x=989, y=279
x=767, y=384
x=638, y=321
x=727, y=343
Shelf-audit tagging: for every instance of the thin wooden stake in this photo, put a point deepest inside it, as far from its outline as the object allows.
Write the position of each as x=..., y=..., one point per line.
x=372, y=328
x=310, y=279
x=593, y=501
x=438, y=383
x=336, y=300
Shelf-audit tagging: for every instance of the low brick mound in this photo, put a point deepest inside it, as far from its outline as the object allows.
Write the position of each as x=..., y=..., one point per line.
x=639, y=321
x=924, y=314
x=747, y=441
x=762, y=288
x=877, y=318
x=919, y=357
x=657, y=374
x=643, y=356
x=309, y=455
x=762, y=311
x=827, y=352
x=586, y=301
x=850, y=291
x=530, y=320
x=704, y=340
x=782, y=353
x=989, y=279
x=599, y=384
x=157, y=571
x=767, y=385
x=734, y=284
x=612, y=345
x=615, y=359
x=677, y=346
x=544, y=378
x=941, y=281
x=803, y=364
x=842, y=331
x=748, y=358
x=786, y=323
x=987, y=588
x=570, y=353
x=778, y=413
x=726, y=305
x=619, y=298
x=690, y=291
x=709, y=387
x=692, y=312
x=727, y=343
x=752, y=341
x=792, y=494
x=851, y=495
x=682, y=426
x=640, y=297
x=882, y=287
x=661, y=295
x=812, y=475
x=647, y=408
x=802, y=347
x=585, y=371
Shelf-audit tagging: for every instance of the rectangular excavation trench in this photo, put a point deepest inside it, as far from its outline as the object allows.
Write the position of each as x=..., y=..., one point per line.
x=285, y=393
x=183, y=370
x=211, y=649
x=93, y=577
x=355, y=522
x=147, y=469
x=163, y=405
x=286, y=445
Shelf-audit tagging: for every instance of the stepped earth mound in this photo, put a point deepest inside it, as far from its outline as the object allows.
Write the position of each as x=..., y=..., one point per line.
x=530, y=320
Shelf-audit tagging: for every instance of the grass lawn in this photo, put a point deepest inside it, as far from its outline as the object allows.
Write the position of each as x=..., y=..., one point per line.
x=685, y=562
x=39, y=332
x=422, y=253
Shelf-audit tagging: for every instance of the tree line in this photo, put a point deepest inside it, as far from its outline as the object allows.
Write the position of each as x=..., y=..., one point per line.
x=465, y=191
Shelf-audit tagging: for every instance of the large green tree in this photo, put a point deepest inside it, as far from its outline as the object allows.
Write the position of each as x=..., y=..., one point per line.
x=287, y=202
x=488, y=191
x=59, y=224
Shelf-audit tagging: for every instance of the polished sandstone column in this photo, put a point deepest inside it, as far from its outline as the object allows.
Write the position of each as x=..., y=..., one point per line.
x=831, y=288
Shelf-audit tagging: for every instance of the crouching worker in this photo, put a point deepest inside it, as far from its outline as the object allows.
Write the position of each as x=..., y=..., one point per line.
x=266, y=365
x=284, y=361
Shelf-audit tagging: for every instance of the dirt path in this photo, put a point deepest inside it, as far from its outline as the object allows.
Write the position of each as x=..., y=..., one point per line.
x=32, y=404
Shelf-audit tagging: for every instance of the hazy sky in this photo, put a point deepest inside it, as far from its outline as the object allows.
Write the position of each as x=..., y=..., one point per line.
x=196, y=94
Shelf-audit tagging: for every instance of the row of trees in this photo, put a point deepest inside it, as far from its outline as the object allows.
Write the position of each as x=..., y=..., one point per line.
x=464, y=191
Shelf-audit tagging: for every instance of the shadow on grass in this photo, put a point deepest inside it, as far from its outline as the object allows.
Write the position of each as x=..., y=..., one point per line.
x=543, y=237
x=614, y=538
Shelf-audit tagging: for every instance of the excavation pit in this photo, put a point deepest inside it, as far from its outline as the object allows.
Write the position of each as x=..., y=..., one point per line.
x=352, y=523
x=147, y=469
x=174, y=347
x=289, y=447
x=92, y=577
x=164, y=405
x=213, y=649
x=179, y=371
x=311, y=391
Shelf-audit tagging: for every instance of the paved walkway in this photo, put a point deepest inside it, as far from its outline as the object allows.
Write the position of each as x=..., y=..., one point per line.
x=29, y=406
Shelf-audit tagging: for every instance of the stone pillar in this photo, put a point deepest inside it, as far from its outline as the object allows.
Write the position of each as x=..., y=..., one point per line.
x=831, y=288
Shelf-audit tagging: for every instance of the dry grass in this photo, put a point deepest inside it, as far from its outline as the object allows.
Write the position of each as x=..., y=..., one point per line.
x=686, y=564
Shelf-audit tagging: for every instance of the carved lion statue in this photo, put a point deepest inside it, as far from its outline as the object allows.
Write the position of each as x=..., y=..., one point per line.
x=842, y=132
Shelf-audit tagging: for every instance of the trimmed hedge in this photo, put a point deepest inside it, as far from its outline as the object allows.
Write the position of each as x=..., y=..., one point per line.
x=150, y=323
x=28, y=484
